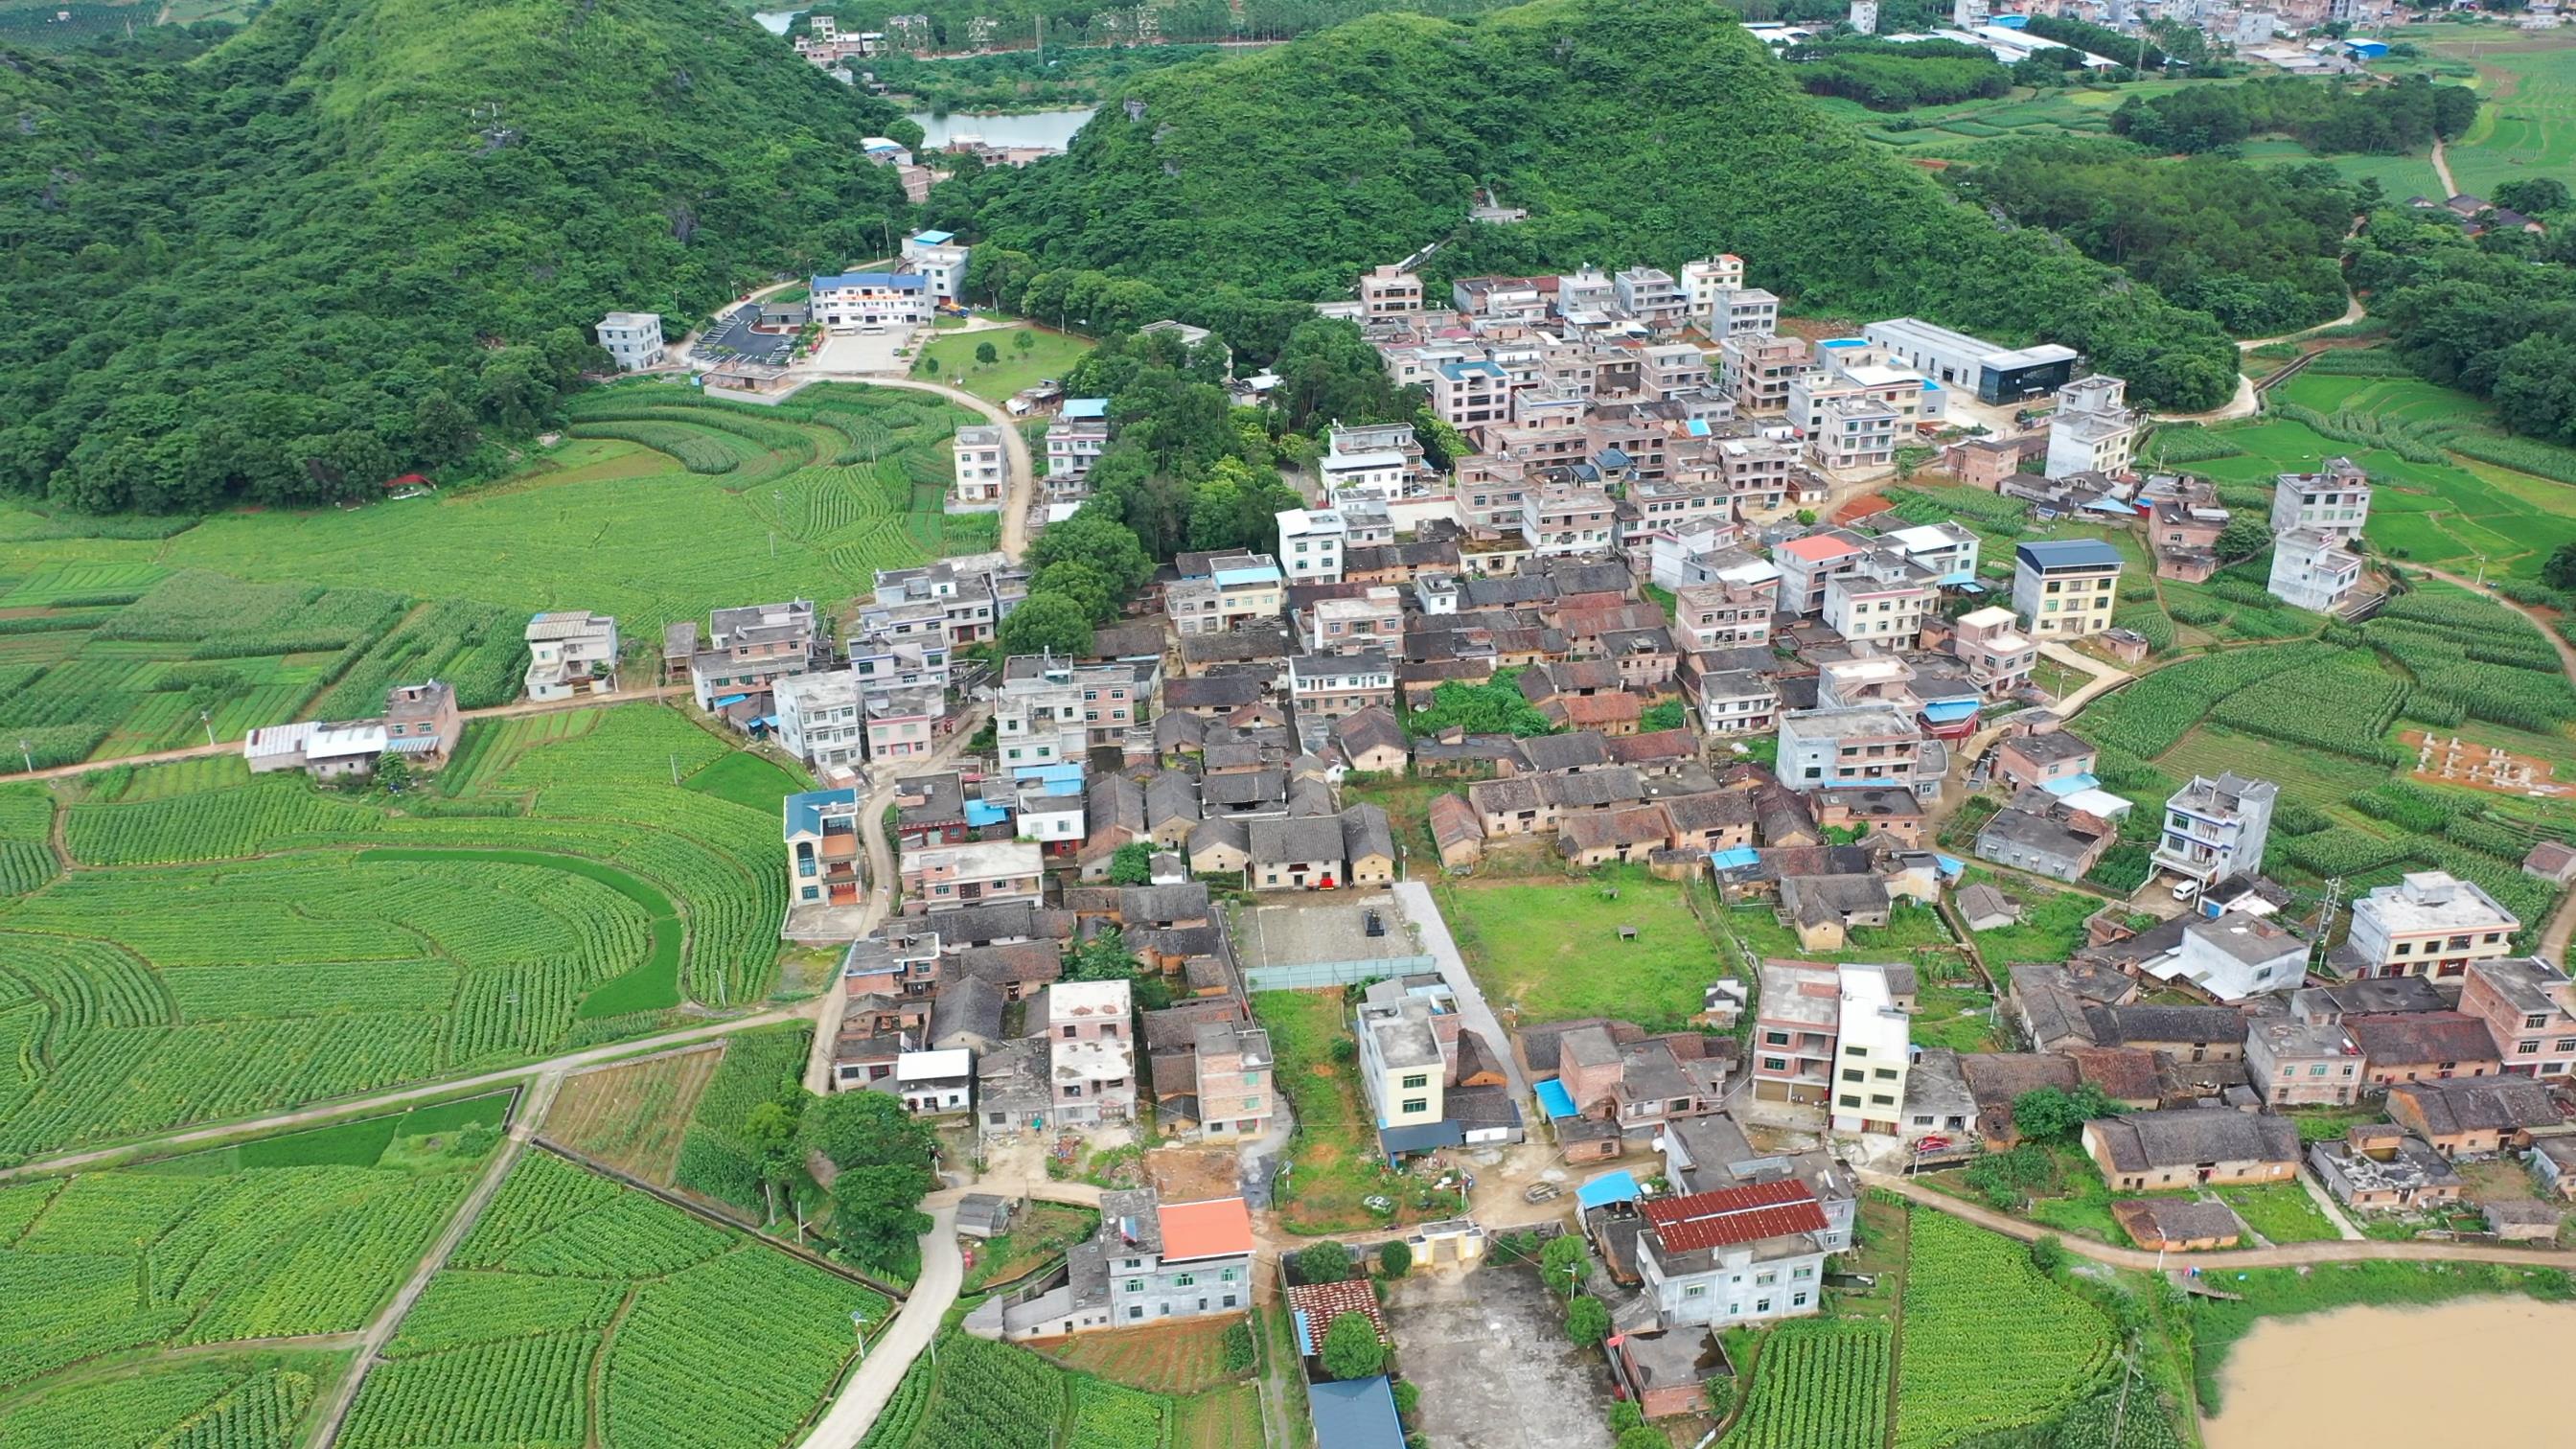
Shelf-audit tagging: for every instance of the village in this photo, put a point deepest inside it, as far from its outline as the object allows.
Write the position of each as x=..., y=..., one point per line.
x=1121, y=920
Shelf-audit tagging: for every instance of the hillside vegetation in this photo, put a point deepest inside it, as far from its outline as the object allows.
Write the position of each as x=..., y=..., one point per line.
x=334, y=245
x=1634, y=131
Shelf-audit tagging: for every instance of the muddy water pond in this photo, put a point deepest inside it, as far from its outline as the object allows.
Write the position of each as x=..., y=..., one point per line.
x=2361, y=1378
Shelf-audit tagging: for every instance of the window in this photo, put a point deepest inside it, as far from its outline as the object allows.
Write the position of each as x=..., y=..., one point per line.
x=1798, y=1301
x=1229, y=1300
x=1185, y=1280
x=1851, y=1076
x=2530, y=1022
x=1135, y=1310
x=1801, y=1274
x=1695, y=1290
x=1415, y=1104
x=1775, y=1038
x=1848, y=1101
x=1135, y=1285
x=1761, y=1305
x=1884, y=1074
x=1775, y=1064
x=1416, y=1080
x=2524, y=1047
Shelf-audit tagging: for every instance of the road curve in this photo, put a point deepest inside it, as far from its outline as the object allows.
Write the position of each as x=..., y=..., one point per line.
x=915, y=1324
x=1024, y=479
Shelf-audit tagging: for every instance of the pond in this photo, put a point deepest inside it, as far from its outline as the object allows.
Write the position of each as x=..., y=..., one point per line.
x=1030, y=128
x=2325, y=1378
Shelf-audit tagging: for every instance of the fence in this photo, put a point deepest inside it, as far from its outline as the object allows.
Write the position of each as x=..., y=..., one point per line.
x=1313, y=975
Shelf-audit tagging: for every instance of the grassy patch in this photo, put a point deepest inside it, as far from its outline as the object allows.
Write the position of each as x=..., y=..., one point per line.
x=1913, y=932
x=2281, y=1211
x=1333, y=1169
x=746, y=779
x=1049, y=355
x=2051, y=927
x=1044, y=1230
x=1555, y=951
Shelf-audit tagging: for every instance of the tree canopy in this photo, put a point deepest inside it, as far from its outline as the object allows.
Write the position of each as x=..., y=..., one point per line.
x=1351, y=1348
x=336, y=244
x=1635, y=131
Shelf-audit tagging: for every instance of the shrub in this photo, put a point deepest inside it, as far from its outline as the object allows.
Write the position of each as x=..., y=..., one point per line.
x=1324, y=1262
x=1395, y=1259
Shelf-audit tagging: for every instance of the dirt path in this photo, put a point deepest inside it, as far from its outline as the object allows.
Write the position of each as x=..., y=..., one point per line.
x=228, y=747
x=359, y=1107
x=2245, y=404
x=2442, y=168
x=2290, y=1255
x=2352, y=312
x=532, y=1111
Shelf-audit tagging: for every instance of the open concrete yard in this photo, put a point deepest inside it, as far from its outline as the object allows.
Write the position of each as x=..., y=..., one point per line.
x=1495, y=1366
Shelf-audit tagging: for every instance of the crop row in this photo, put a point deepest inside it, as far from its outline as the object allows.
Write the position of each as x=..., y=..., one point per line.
x=696, y=451
x=1990, y=1341
x=461, y=1308
x=1107, y=1416
x=775, y=1331
x=1819, y=1384
x=516, y=1391
x=991, y=1396
x=212, y=1407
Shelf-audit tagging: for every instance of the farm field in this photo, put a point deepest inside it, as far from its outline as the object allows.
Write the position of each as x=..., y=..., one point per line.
x=1819, y=1384
x=631, y=1116
x=659, y=505
x=2448, y=491
x=715, y=1162
x=2399, y=177
x=250, y=1400
x=205, y=1250
x=1181, y=1359
x=1049, y=355
x=579, y=1310
x=2281, y=1211
x=1989, y=1342
x=570, y=898
x=1956, y=130
x=1555, y=948
x=2528, y=125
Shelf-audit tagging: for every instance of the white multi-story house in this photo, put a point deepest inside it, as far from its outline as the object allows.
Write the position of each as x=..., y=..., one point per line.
x=1372, y=621
x=2311, y=570
x=2215, y=829
x=1704, y=279
x=2094, y=430
x=2429, y=924
x=940, y=260
x=2334, y=501
x=983, y=470
x=1091, y=1048
x=632, y=339
x=941, y=877
x=1650, y=295
x=1880, y=604
x=571, y=652
x=1310, y=544
x=1074, y=441
x=1329, y=686
x=1871, y=1054
x=1998, y=654
x=1400, y=1063
x=820, y=720
x=861, y=301
x=2065, y=588
x=1739, y=1255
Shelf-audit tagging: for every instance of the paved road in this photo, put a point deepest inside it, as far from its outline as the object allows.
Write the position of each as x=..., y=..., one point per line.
x=1022, y=494
x=233, y=747
x=915, y=1324
x=531, y=1113
x=2289, y=1255
x=361, y=1106
x=882, y=876
x=1423, y=911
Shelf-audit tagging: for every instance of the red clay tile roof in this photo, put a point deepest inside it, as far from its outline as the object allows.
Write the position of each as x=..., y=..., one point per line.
x=1816, y=548
x=1324, y=1302
x=1735, y=1215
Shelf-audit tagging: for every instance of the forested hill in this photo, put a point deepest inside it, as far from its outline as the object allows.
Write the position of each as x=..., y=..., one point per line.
x=1634, y=131
x=328, y=248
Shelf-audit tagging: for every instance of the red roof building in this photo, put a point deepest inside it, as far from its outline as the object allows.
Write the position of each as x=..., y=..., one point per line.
x=1734, y=1215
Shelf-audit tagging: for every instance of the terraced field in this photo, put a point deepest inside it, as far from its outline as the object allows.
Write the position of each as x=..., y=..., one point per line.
x=804, y=499
x=253, y=945
x=2528, y=125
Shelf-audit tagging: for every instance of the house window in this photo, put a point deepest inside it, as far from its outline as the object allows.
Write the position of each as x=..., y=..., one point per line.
x=1415, y=1104
x=1416, y=1080
x=1798, y=1301
x=1135, y=1285
x=1185, y=1280
x=1695, y=1290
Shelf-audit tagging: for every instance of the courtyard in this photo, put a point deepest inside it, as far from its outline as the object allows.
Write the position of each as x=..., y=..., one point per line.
x=1489, y=1350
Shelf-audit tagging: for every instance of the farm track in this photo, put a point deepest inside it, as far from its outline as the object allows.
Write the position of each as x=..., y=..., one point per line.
x=362, y=1106
x=523, y=1127
x=227, y=747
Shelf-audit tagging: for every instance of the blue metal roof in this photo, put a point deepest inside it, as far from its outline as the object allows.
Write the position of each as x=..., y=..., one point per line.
x=896, y=281
x=2071, y=784
x=1606, y=1189
x=1943, y=711
x=1555, y=1100
x=1086, y=407
x=1355, y=1414
x=805, y=811
x=934, y=238
x=980, y=813
x=2068, y=553
x=725, y=700
x=1950, y=864
x=1736, y=859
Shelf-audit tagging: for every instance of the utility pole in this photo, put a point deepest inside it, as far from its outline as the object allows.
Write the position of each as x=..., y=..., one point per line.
x=206, y=717
x=27, y=752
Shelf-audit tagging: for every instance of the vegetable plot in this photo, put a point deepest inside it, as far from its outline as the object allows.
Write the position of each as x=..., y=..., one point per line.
x=1990, y=1343
x=1818, y=1385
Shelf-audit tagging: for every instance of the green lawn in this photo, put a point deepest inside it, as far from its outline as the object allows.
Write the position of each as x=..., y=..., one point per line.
x=1050, y=354
x=1554, y=951
x=2050, y=929
x=748, y=780
x=1961, y=1018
